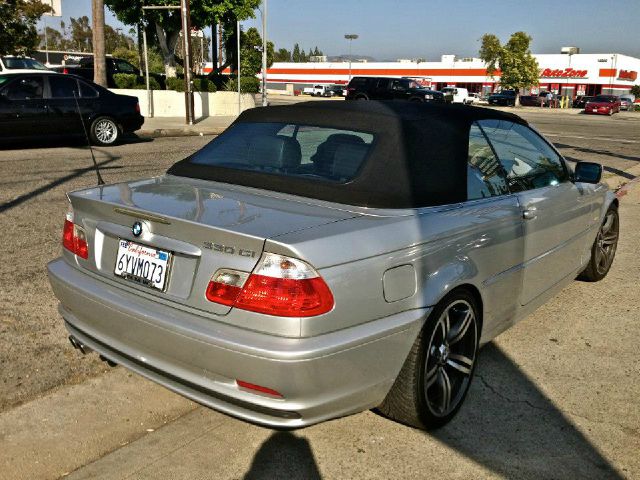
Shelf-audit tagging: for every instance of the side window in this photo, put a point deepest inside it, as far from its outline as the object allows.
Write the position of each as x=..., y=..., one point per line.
x=399, y=85
x=27, y=88
x=485, y=175
x=528, y=160
x=63, y=87
x=87, y=91
x=125, y=67
x=383, y=84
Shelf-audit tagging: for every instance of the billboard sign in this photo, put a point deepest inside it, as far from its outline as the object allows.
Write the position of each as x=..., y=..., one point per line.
x=56, y=7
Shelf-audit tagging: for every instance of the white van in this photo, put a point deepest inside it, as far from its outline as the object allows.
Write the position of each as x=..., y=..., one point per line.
x=460, y=95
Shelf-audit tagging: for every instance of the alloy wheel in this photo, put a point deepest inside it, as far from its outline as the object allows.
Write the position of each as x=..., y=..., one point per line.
x=450, y=358
x=606, y=242
x=106, y=131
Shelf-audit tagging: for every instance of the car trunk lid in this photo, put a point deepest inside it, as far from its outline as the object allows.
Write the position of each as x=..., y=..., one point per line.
x=203, y=226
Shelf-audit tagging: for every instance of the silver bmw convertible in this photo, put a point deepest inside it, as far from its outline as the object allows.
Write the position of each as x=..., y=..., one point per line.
x=323, y=258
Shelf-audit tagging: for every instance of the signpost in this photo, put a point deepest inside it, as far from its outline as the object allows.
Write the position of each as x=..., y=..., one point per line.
x=56, y=11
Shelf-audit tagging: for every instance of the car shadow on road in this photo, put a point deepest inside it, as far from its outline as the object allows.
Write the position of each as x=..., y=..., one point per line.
x=78, y=172
x=607, y=153
x=512, y=428
x=284, y=455
x=64, y=142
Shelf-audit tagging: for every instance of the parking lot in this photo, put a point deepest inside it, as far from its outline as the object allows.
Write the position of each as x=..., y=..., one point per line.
x=557, y=396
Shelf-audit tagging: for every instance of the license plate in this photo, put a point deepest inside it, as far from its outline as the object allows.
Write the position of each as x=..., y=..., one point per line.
x=141, y=264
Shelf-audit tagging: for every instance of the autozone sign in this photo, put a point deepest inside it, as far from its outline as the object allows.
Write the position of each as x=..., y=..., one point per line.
x=628, y=75
x=560, y=73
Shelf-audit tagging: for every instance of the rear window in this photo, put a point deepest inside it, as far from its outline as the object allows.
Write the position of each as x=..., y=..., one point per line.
x=16, y=63
x=358, y=82
x=289, y=149
x=604, y=98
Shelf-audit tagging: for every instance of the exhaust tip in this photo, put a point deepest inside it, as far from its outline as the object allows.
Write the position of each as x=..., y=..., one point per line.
x=78, y=345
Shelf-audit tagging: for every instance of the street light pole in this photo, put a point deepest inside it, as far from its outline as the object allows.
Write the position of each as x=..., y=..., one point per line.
x=350, y=37
x=264, y=53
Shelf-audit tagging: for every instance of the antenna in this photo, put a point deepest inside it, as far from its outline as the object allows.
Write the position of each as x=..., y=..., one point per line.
x=86, y=135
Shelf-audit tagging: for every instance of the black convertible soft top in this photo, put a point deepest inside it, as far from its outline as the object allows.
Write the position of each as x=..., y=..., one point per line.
x=419, y=157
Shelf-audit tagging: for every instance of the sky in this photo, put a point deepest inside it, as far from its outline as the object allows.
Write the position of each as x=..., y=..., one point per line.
x=391, y=29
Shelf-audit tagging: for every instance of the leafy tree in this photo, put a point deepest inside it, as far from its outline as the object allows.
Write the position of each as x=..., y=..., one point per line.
x=635, y=90
x=282, y=55
x=251, y=53
x=519, y=69
x=296, y=53
x=18, y=18
x=55, y=39
x=114, y=39
x=166, y=23
x=130, y=55
x=81, y=34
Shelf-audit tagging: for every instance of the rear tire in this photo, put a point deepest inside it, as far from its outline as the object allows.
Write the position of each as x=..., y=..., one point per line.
x=435, y=378
x=362, y=97
x=604, y=247
x=104, y=131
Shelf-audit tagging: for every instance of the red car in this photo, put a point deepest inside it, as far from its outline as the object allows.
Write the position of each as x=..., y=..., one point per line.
x=603, y=104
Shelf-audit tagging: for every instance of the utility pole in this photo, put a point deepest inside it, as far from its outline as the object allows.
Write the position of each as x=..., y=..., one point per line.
x=238, y=68
x=99, y=62
x=186, y=37
x=350, y=37
x=220, y=50
x=264, y=53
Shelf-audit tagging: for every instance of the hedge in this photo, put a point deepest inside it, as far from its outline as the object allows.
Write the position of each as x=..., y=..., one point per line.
x=247, y=85
x=129, y=80
x=200, y=84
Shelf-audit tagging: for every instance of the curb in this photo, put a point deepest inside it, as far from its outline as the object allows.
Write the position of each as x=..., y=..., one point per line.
x=180, y=132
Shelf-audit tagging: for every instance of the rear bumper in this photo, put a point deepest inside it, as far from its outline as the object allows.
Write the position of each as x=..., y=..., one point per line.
x=131, y=123
x=319, y=377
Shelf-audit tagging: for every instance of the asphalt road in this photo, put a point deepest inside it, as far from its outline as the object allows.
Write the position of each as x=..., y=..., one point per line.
x=557, y=396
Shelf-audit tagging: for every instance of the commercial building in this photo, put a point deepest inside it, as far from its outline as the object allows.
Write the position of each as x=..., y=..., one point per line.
x=563, y=74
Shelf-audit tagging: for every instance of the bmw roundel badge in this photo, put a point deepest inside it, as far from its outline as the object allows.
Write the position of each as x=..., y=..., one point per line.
x=136, y=229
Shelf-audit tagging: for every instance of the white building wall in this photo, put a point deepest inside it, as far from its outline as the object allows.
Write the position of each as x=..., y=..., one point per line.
x=561, y=70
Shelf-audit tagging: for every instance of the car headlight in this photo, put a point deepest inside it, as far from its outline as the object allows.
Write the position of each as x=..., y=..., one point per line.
x=428, y=97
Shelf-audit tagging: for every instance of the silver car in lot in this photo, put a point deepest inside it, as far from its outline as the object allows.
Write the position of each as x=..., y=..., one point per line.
x=320, y=259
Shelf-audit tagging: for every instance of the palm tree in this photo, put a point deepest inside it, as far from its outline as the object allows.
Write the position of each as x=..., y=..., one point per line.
x=99, y=63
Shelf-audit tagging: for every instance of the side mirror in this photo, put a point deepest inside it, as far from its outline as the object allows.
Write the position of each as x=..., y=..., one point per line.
x=587, y=172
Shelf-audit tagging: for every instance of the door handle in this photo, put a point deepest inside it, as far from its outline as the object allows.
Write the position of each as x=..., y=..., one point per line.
x=530, y=213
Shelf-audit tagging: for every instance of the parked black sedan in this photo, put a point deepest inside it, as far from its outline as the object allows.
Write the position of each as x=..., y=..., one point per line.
x=42, y=104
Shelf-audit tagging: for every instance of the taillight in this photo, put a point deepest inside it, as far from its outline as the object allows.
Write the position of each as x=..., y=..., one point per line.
x=137, y=107
x=279, y=285
x=225, y=286
x=74, y=238
x=65, y=70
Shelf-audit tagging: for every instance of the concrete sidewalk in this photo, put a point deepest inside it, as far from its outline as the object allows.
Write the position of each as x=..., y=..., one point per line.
x=177, y=127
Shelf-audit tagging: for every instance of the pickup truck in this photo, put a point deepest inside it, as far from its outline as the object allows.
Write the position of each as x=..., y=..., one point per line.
x=318, y=91
x=114, y=65
x=505, y=97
